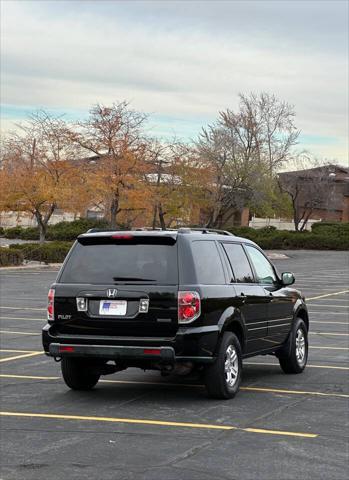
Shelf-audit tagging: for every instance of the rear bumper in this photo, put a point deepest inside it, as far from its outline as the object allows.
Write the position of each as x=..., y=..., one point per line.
x=194, y=344
x=117, y=352
x=165, y=355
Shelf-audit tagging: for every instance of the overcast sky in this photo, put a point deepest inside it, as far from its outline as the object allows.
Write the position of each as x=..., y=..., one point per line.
x=180, y=61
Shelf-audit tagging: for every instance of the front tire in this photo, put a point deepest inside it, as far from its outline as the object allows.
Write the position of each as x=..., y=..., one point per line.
x=296, y=358
x=223, y=377
x=78, y=374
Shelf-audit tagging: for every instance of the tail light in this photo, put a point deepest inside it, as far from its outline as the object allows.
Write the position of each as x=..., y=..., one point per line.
x=189, y=306
x=50, y=304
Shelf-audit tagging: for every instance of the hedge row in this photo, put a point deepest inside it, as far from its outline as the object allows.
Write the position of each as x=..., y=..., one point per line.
x=63, y=231
x=324, y=236
x=10, y=257
x=331, y=228
x=270, y=239
x=53, y=252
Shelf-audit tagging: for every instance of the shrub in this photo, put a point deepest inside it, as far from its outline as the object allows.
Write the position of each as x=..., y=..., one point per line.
x=53, y=252
x=284, y=239
x=13, y=232
x=63, y=231
x=331, y=228
x=30, y=233
x=2, y=231
x=70, y=230
x=10, y=256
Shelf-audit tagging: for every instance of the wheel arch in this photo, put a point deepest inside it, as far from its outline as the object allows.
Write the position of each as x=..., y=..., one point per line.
x=303, y=314
x=232, y=322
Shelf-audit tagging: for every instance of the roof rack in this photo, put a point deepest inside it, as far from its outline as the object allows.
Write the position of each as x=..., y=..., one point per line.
x=95, y=230
x=180, y=230
x=204, y=230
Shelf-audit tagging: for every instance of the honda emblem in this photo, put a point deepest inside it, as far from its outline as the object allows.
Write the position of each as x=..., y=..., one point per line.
x=111, y=292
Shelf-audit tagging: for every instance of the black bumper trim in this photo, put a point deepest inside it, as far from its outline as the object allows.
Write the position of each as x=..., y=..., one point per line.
x=111, y=352
x=118, y=352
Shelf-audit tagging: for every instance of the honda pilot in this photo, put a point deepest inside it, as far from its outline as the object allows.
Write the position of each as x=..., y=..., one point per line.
x=173, y=301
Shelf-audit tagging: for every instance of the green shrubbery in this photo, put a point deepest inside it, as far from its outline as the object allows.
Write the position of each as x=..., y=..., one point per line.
x=324, y=236
x=338, y=229
x=9, y=257
x=63, y=231
x=288, y=240
x=52, y=252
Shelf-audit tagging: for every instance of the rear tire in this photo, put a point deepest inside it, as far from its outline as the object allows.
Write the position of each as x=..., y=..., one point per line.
x=296, y=358
x=223, y=378
x=79, y=374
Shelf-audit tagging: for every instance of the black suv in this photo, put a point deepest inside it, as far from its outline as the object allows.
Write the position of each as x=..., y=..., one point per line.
x=172, y=301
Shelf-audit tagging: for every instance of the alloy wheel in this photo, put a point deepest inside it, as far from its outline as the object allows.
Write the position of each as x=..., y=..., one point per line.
x=231, y=366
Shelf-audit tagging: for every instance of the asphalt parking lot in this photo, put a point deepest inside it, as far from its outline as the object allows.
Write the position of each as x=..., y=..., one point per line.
x=137, y=425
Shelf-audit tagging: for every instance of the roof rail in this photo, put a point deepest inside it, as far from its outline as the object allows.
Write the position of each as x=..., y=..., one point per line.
x=95, y=230
x=204, y=230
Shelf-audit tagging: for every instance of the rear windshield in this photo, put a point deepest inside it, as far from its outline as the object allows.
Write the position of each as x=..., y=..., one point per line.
x=115, y=263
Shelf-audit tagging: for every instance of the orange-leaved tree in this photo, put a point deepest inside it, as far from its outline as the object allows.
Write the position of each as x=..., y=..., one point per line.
x=114, y=136
x=37, y=170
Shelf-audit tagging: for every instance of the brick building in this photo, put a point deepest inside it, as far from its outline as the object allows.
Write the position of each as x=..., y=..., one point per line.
x=324, y=190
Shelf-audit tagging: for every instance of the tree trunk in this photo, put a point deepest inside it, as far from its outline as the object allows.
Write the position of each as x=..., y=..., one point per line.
x=114, y=207
x=42, y=231
x=162, y=218
x=155, y=215
x=295, y=216
x=43, y=222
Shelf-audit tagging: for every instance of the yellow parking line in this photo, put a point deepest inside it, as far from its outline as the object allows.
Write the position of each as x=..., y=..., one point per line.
x=140, y=421
x=294, y=392
x=330, y=323
x=326, y=305
x=19, y=333
x=17, y=351
x=278, y=432
x=327, y=295
x=22, y=308
x=331, y=348
x=330, y=333
x=334, y=367
x=9, y=359
x=24, y=318
x=28, y=377
x=167, y=384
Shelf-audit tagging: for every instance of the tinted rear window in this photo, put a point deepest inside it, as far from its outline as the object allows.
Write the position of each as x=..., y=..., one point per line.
x=239, y=263
x=208, y=265
x=121, y=263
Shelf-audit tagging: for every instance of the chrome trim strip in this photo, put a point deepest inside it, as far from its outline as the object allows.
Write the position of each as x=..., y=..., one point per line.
x=280, y=325
x=257, y=328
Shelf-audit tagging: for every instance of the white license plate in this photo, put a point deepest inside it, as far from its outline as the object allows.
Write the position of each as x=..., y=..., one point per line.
x=112, y=307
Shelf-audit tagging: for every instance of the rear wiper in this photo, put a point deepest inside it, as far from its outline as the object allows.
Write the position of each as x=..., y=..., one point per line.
x=133, y=279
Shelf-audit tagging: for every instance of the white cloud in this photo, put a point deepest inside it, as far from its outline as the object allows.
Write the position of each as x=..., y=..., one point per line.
x=182, y=61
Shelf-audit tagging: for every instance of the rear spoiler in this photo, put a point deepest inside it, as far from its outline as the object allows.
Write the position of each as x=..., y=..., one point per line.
x=107, y=237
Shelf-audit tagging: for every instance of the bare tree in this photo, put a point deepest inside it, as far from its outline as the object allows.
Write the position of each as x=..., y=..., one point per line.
x=308, y=188
x=244, y=147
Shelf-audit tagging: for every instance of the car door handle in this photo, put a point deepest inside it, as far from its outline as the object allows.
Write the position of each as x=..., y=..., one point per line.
x=242, y=297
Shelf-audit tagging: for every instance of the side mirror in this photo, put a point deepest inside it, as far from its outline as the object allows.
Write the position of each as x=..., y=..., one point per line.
x=287, y=278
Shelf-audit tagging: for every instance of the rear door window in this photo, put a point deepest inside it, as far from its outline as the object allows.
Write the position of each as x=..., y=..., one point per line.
x=239, y=262
x=208, y=265
x=113, y=263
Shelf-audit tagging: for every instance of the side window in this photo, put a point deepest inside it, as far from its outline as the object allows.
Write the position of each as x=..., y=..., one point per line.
x=264, y=270
x=239, y=262
x=208, y=265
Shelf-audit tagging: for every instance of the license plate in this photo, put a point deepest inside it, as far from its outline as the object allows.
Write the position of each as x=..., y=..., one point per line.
x=112, y=307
